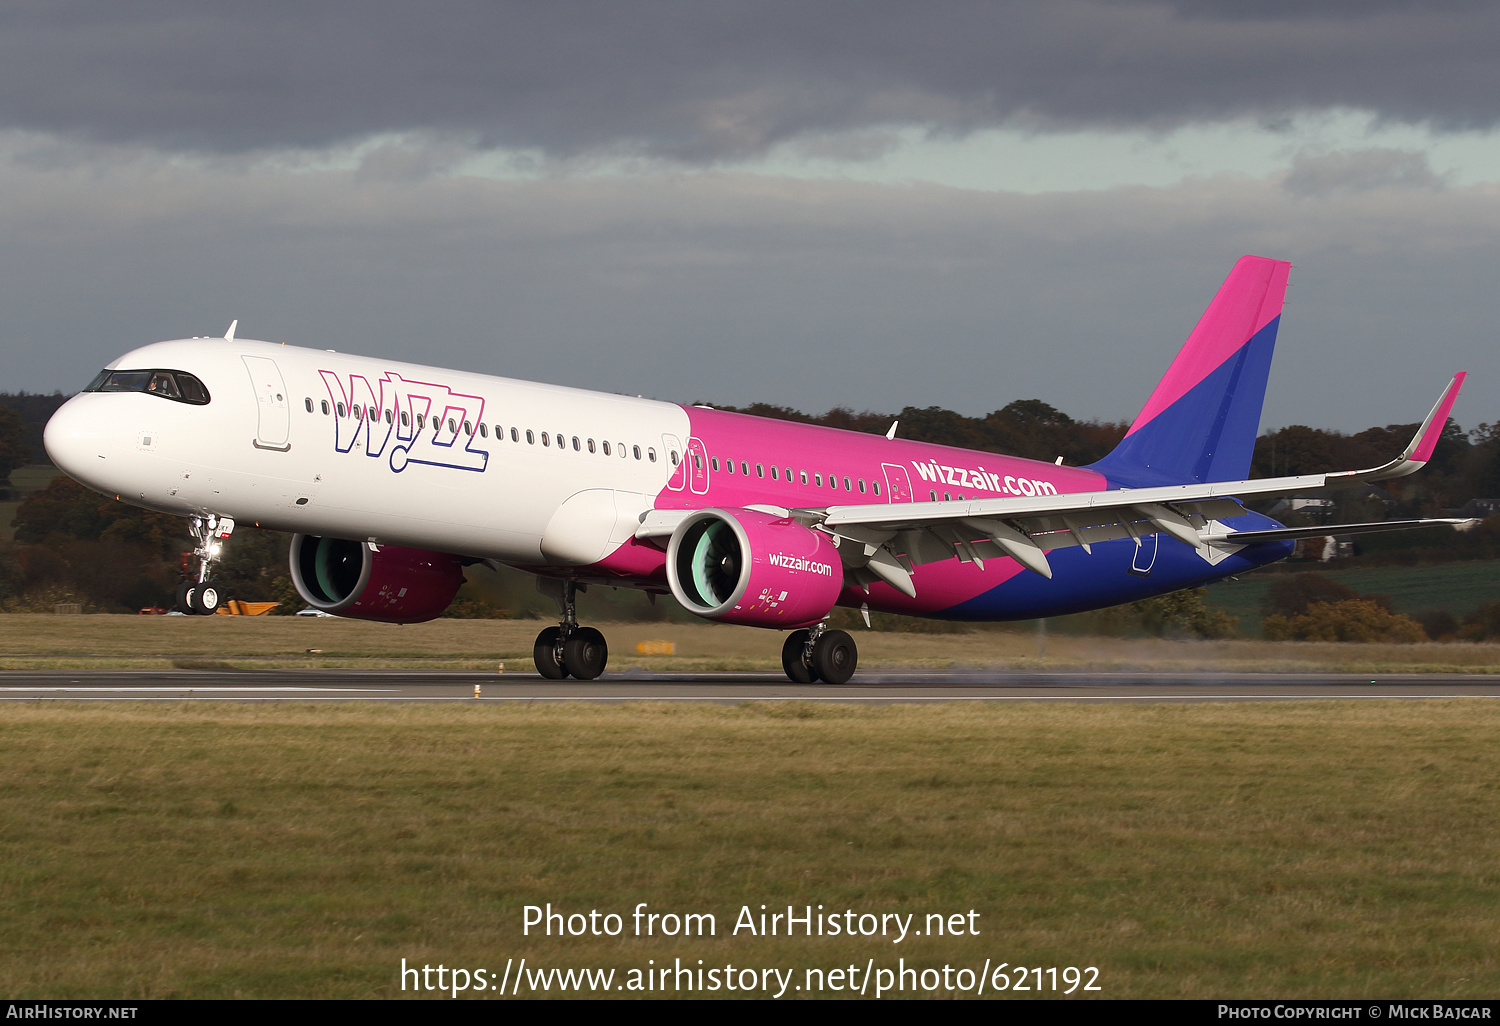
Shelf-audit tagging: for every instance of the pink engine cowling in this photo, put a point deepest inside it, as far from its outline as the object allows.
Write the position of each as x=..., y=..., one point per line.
x=756, y=569
x=374, y=582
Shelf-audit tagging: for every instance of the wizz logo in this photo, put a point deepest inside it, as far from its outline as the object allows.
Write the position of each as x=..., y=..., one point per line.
x=406, y=421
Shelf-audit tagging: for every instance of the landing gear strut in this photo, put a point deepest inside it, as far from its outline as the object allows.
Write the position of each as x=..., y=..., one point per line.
x=568, y=649
x=203, y=597
x=818, y=653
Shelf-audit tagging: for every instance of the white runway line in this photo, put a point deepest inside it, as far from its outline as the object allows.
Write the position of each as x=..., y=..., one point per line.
x=147, y=695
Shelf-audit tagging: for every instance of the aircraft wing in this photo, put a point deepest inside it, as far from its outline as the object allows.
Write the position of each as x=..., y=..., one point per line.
x=888, y=541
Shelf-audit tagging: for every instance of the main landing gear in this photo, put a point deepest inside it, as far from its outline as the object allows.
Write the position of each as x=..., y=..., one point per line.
x=818, y=653
x=203, y=596
x=568, y=649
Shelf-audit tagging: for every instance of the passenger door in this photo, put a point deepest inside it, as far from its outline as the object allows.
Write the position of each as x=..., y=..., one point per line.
x=274, y=414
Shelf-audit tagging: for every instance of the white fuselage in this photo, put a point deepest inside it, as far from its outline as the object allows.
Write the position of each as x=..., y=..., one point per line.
x=257, y=453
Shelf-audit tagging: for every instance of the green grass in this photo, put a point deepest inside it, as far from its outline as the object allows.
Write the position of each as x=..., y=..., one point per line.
x=1307, y=850
x=1459, y=588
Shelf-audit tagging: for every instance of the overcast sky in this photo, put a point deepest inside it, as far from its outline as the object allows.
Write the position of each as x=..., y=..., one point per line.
x=815, y=204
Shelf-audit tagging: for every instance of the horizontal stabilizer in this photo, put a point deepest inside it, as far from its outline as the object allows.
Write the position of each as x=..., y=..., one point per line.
x=1292, y=533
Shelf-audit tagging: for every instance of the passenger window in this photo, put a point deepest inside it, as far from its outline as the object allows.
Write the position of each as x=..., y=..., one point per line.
x=875, y=485
x=947, y=497
x=405, y=419
x=760, y=470
x=531, y=438
x=789, y=474
x=744, y=468
x=324, y=404
x=673, y=454
x=484, y=432
x=651, y=454
x=421, y=421
x=818, y=480
x=606, y=449
x=802, y=476
x=516, y=437
x=728, y=464
x=389, y=416
x=591, y=445
x=847, y=486
x=340, y=408
x=637, y=450
x=861, y=486
x=468, y=428
x=452, y=427
x=932, y=496
x=697, y=462
x=576, y=446
x=773, y=473
x=308, y=403
x=621, y=447
x=546, y=439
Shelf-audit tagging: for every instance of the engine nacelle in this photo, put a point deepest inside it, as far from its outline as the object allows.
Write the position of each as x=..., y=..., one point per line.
x=374, y=582
x=745, y=567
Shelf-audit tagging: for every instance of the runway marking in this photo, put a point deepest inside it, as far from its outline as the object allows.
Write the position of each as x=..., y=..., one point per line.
x=147, y=696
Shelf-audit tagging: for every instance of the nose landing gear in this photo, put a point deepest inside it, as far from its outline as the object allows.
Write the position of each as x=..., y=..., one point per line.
x=818, y=653
x=568, y=649
x=203, y=596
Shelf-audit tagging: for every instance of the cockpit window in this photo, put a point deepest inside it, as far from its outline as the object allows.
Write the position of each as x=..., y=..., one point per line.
x=170, y=384
x=163, y=383
x=126, y=381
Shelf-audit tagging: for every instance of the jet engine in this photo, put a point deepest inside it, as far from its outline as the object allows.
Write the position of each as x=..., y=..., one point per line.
x=366, y=581
x=746, y=567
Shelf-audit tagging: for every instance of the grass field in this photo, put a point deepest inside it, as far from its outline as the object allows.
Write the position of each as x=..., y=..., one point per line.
x=1459, y=588
x=1315, y=849
x=43, y=641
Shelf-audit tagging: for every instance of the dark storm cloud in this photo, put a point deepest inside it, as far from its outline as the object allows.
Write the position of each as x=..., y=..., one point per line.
x=731, y=288
x=703, y=81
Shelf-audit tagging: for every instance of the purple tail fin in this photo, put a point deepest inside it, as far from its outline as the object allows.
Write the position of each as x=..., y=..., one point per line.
x=1200, y=422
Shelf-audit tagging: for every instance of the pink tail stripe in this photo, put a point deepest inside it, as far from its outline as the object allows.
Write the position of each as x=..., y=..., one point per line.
x=1250, y=298
x=1439, y=420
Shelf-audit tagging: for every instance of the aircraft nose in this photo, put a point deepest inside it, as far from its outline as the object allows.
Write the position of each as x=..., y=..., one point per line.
x=74, y=440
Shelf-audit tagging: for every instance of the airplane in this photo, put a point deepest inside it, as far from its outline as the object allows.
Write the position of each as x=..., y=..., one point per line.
x=392, y=478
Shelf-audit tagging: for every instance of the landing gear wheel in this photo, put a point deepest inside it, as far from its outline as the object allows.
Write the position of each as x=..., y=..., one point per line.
x=585, y=653
x=205, y=599
x=545, y=653
x=791, y=658
x=184, y=603
x=835, y=657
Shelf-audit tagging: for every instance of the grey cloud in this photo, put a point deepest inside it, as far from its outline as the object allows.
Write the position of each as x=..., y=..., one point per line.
x=1360, y=171
x=704, y=82
x=733, y=289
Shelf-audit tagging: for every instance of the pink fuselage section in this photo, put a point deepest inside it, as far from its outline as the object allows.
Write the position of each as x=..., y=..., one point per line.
x=734, y=460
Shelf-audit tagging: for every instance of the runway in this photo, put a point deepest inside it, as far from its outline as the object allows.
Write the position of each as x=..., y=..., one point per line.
x=873, y=687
